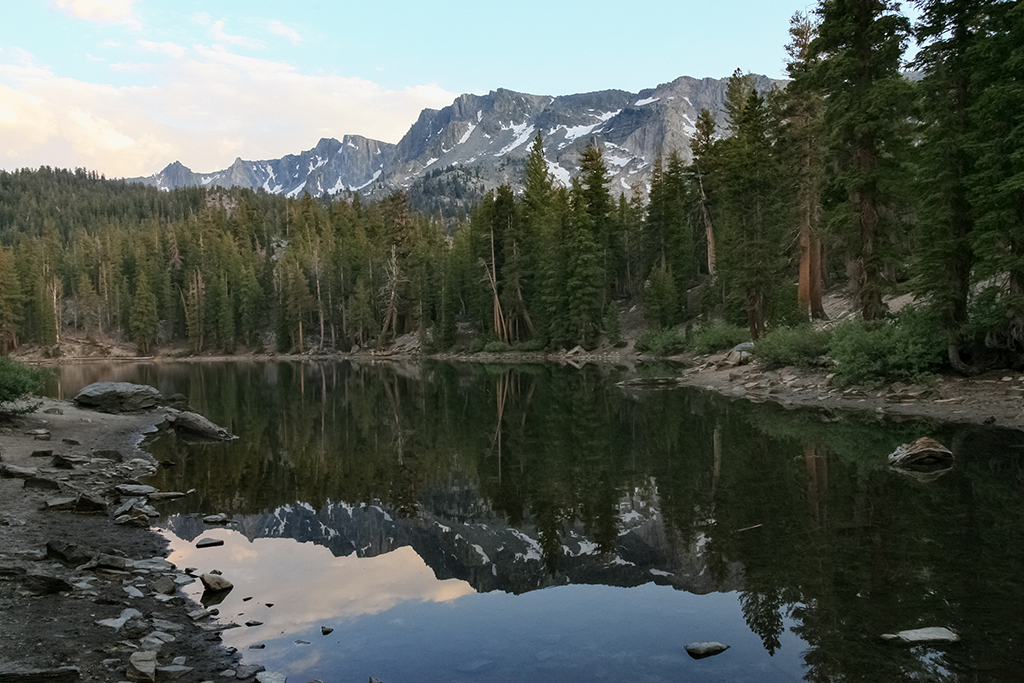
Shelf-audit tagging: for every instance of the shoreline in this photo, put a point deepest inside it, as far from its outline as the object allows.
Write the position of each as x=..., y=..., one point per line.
x=81, y=596
x=992, y=398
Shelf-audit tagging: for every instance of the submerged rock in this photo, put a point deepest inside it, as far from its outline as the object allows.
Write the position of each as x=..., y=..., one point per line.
x=705, y=649
x=931, y=634
x=215, y=583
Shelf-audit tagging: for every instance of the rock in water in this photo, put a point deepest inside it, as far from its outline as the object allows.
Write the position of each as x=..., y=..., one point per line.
x=925, y=452
x=197, y=426
x=215, y=583
x=209, y=542
x=931, y=634
x=707, y=649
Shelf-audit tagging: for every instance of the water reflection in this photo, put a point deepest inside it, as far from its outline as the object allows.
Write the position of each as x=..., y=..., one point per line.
x=770, y=525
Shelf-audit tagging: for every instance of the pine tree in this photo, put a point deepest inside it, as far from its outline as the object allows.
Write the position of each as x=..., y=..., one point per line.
x=805, y=138
x=996, y=184
x=144, y=320
x=584, y=274
x=858, y=51
x=10, y=301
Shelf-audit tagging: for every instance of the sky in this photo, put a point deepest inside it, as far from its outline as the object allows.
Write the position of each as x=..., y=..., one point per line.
x=125, y=87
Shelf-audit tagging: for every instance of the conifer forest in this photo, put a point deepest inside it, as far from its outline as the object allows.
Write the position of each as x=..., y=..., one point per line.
x=858, y=172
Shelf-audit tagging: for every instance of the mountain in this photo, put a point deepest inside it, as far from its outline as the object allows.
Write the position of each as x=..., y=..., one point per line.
x=451, y=156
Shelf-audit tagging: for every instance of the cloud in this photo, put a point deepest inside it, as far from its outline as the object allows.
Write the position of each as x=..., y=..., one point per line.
x=101, y=11
x=209, y=106
x=279, y=29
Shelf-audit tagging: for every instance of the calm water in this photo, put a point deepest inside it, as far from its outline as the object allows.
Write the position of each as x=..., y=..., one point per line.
x=539, y=523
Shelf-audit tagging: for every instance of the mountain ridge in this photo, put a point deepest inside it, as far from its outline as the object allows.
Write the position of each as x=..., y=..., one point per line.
x=479, y=142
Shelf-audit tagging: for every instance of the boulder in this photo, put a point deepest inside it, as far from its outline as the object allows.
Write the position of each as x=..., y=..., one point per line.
x=43, y=584
x=196, y=426
x=42, y=483
x=209, y=542
x=118, y=397
x=271, y=677
x=926, y=452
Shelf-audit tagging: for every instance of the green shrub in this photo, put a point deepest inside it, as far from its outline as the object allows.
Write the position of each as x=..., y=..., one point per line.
x=476, y=346
x=661, y=342
x=792, y=346
x=907, y=348
x=496, y=347
x=717, y=336
x=17, y=380
x=530, y=346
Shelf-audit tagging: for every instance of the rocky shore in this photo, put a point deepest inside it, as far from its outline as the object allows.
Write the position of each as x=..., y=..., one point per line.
x=86, y=593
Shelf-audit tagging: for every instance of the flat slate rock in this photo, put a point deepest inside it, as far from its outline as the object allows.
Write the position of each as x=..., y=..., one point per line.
x=14, y=674
x=118, y=397
x=209, y=542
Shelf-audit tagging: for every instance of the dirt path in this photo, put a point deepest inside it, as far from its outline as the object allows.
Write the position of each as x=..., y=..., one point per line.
x=49, y=609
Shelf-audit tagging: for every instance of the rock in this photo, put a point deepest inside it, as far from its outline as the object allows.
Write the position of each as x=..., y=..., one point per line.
x=209, y=542
x=42, y=437
x=14, y=472
x=925, y=452
x=705, y=649
x=216, y=519
x=168, y=627
x=172, y=672
x=61, y=503
x=71, y=442
x=326, y=630
x=931, y=634
x=142, y=666
x=53, y=411
x=135, y=489
x=247, y=670
x=216, y=584
x=165, y=585
x=127, y=504
x=196, y=615
x=195, y=425
x=43, y=584
x=88, y=503
x=38, y=432
x=118, y=397
x=61, y=463
x=105, y=561
x=132, y=591
x=18, y=674
x=70, y=554
x=271, y=677
x=118, y=622
x=42, y=483
x=166, y=495
x=133, y=517
x=47, y=453
x=253, y=622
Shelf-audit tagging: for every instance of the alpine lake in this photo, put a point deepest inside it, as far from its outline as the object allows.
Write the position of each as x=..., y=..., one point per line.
x=417, y=522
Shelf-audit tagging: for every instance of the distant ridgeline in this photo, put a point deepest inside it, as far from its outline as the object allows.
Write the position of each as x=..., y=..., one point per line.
x=451, y=157
x=533, y=221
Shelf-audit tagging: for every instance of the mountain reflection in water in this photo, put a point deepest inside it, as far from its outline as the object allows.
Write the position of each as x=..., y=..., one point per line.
x=782, y=534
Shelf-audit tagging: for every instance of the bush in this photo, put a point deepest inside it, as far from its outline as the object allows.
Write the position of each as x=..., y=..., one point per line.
x=661, y=342
x=717, y=336
x=496, y=347
x=17, y=380
x=907, y=348
x=530, y=346
x=792, y=346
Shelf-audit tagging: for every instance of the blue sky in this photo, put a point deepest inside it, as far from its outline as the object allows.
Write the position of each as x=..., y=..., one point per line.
x=125, y=87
